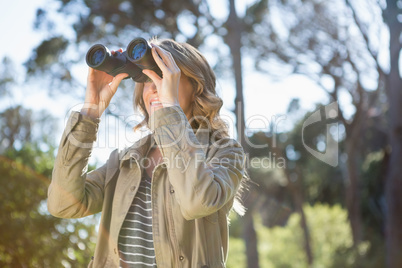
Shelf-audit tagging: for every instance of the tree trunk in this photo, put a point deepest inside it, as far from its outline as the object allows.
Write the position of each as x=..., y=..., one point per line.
x=352, y=189
x=393, y=189
x=296, y=189
x=250, y=235
x=306, y=234
x=233, y=39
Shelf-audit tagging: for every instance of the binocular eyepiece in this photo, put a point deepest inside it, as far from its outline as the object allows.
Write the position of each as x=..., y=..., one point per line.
x=138, y=56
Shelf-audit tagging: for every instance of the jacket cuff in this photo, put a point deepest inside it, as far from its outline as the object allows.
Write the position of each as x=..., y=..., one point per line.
x=82, y=127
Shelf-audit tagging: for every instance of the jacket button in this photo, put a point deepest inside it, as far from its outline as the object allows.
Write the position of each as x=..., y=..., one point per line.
x=115, y=251
x=132, y=188
x=181, y=258
x=92, y=257
x=172, y=191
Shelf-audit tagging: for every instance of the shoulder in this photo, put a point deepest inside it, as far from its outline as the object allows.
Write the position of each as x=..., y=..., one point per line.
x=225, y=143
x=225, y=146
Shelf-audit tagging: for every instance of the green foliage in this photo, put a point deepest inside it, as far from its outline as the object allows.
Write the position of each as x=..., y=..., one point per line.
x=282, y=247
x=236, y=257
x=33, y=157
x=321, y=182
x=30, y=236
x=49, y=51
x=20, y=127
x=46, y=63
x=328, y=229
x=7, y=76
x=373, y=206
x=15, y=125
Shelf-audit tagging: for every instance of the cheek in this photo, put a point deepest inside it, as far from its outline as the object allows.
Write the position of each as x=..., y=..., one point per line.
x=185, y=94
x=185, y=100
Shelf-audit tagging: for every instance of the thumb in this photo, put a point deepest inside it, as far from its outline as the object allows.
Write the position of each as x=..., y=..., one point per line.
x=151, y=74
x=116, y=81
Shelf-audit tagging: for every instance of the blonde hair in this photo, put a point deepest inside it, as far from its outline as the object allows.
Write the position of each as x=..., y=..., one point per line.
x=207, y=104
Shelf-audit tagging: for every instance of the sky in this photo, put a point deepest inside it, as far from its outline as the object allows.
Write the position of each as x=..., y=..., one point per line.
x=265, y=99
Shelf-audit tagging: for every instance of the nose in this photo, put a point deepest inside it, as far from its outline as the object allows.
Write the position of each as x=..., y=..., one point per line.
x=149, y=87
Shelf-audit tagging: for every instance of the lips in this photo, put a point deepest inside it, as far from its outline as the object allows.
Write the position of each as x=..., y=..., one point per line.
x=154, y=102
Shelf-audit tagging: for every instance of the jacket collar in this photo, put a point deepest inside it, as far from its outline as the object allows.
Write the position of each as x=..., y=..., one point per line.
x=141, y=147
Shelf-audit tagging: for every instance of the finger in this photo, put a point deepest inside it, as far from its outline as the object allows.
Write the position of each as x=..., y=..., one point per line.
x=121, y=76
x=162, y=53
x=90, y=70
x=116, y=81
x=152, y=75
x=166, y=57
x=165, y=62
x=162, y=50
x=91, y=74
x=114, y=51
x=159, y=61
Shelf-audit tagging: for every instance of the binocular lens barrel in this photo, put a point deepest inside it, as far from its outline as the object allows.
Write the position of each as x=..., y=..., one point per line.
x=139, y=51
x=97, y=56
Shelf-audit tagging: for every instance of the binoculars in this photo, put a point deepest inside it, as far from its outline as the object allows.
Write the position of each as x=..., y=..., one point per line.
x=138, y=56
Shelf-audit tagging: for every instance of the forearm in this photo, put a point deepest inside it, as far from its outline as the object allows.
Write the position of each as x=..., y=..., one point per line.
x=94, y=111
x=202, y=185
x=70, y=193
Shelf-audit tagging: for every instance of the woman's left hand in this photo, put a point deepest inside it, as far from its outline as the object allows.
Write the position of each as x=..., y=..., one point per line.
x=168, y=86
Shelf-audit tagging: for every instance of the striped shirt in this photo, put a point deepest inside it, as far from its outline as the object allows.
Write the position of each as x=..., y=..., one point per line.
x=136, y=246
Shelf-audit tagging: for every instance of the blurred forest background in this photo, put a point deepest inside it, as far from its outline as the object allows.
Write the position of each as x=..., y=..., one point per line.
x=338, y=207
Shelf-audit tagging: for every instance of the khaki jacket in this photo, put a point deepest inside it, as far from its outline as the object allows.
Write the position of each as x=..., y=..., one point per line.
x=192, y=190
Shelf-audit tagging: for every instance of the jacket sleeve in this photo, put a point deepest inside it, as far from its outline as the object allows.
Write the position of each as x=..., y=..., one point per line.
x=74, y=193
x=202, y=186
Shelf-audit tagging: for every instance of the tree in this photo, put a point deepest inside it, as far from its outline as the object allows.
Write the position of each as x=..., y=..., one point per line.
x=7, y=76
x=305, y=180
x=327, y=42
x=233, y=39
x=294, y=177
x=31, y=237
x=15, y=127
x=111, y=23
x=394, y=182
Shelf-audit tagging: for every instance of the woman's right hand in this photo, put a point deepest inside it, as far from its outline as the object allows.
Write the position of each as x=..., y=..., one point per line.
x=101, y=87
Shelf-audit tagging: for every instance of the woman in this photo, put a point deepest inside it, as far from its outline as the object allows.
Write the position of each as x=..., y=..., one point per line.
x=164, y=200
